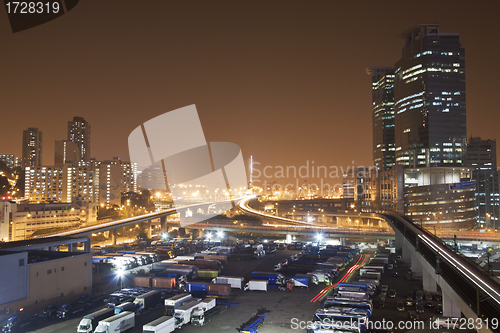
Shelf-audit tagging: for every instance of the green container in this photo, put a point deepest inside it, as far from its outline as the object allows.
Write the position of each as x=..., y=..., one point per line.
x=207, y=274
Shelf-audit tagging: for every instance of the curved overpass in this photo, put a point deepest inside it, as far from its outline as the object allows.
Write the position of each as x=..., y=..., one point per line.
x=466, y=287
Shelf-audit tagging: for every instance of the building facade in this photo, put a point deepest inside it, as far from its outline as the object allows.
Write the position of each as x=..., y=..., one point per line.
x=24, y=219
x=66, y=152
x=441, y=197
x=383, y=117
x=79, y=133
x=429, y=92
x=61, y=184
x=32, y=147
x=34, y=278
x=481, y=154
x=9, y=160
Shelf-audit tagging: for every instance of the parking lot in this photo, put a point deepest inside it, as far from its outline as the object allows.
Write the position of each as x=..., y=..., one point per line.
x=286, y=311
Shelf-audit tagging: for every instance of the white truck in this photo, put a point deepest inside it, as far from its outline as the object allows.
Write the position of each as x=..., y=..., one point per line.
x=175, y=302
x=256, y=285
x=324, y=277
x=234, y=281
x=183, y=314
x=117, y=324
x=90, y=321
x=165, y=324
x=200, y=313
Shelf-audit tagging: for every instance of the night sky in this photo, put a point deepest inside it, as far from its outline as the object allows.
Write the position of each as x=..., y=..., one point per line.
x=285, y=80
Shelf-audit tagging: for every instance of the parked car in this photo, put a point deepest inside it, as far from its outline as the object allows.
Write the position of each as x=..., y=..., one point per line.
x=381, y=302
x=427, y=297
x=419, y=308
x=392, y=293
x=419, y=295
x=49, y=312
x=412, y=315
x=384, y=288
x=439, y=308
x=390, y=266
x=438, y=297
x=395, y=274
x=429, y=304
x=400, y=305
x=409, y=301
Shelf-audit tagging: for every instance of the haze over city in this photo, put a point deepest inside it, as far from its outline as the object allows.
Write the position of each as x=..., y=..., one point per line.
x=285, y=81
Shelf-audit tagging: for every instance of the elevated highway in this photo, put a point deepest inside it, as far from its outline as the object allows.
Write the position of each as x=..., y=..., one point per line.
x=467, y=288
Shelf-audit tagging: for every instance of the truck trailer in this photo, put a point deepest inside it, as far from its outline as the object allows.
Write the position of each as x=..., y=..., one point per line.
x=90, y=321
x=256, y=285
x=202, y=311
x=175, y=302
x=272, y=278
x=182, y=315
x=147, y=300
x=234, y=281
x=117, y=323
x=165, y=324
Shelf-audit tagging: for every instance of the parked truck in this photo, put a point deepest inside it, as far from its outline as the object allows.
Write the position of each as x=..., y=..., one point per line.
x=90, y=321
x=256, y=285
x=322, y=276
x=304, y=280
x=213, y=289
x=175, y=302
x=204, y=311
x=182, y=315
x=127, y=306
x=147, y=300
x=272, y=278
x=117, y=323
x=234, y=281
x=165, y=324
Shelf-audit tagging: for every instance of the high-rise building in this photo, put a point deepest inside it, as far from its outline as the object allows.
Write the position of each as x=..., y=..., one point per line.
x=116, y=177
x=481, y=154
x=32, y=147
x=383, y=116
x=66, y=152
x=429, y=93
x=79, y=133
x=9, y=160
x=65, y=183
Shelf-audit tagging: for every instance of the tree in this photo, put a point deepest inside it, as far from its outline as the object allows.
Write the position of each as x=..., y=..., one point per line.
x=173, y=234
x=195, y=234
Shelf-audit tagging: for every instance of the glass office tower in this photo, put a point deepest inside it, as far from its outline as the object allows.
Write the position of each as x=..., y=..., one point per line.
x=429, y=92
x=383, y=116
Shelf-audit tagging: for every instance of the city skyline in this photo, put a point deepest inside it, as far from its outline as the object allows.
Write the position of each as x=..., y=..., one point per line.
x=287, y=87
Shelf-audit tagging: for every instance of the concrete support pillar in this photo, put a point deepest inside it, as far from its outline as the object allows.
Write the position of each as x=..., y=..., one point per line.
x=450, y=309
x=429, y=281
x=289, y=238
x=113, y=236
x=149, y=229
x=406, y=253
x=416, y=266
x=50, y=248
x=70, y=247
x=342, y=241
x=86, y=246
x=163, y=224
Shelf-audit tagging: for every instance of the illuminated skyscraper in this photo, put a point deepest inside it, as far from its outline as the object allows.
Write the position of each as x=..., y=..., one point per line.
x=429, y=93
x=79, y=133
x=383, y=116
x=32, y=147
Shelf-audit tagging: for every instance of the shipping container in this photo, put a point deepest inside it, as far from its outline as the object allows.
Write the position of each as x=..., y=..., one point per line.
x=141, y=281
x=205, y=274
x=163, y=282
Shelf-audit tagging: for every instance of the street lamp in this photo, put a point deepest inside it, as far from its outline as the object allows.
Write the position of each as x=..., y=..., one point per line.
x=120, y=273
